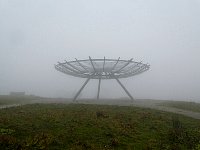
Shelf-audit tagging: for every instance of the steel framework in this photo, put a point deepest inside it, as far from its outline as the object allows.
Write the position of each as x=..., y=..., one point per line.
x=102, y=69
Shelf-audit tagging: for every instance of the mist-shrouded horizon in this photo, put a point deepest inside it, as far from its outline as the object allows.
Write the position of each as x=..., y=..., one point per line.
x=35, y=35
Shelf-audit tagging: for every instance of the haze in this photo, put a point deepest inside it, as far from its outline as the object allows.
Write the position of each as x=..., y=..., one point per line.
x=35, y=34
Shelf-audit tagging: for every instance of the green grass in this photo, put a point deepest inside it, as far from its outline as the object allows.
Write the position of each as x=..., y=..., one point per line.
x=78, y=126
x=191, y=106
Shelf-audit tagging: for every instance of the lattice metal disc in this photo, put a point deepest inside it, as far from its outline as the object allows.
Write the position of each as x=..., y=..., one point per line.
x=102, y=68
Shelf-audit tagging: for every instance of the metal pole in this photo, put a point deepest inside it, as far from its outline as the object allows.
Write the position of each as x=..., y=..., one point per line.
x=132, y=67
x=104, y=63
x=81, y=89
x=124, y=89
x=73, y=66
x=99, y=88
x=68, y=68
x=115, y=65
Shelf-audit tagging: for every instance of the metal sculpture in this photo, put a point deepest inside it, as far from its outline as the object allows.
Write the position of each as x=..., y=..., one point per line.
x=102, y=69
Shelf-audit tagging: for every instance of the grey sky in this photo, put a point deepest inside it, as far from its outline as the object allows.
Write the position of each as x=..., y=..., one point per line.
x=35, y=34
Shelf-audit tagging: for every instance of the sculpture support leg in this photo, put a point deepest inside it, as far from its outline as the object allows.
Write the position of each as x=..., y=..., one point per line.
x=81, y=89
x=99, y=88
x=124, y=89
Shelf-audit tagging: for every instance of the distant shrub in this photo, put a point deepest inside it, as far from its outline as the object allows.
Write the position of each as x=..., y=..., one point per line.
x=101, y=114
x=114, y=142
x=82, y=145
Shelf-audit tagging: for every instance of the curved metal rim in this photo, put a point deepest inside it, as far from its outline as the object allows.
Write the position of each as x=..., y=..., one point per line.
x=73, y=68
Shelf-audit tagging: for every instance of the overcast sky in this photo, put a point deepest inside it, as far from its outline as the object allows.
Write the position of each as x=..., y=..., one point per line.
x=35, y=34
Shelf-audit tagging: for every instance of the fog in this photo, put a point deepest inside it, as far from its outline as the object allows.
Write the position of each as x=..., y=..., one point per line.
x=36, y=34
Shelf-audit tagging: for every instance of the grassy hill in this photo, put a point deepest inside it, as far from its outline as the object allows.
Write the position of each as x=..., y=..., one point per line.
x=79, y=126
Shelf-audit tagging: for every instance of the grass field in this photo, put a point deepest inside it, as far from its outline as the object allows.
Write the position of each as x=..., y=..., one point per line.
x=97, y=127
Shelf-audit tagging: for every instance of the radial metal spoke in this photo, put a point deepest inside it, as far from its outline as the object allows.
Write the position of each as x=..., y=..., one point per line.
x=68, y=68
x=73, y=66
x=137, y=70
x=92, y=64
x=124, y=65
x=132, y=67
x=84, y=67
x=115, y=65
